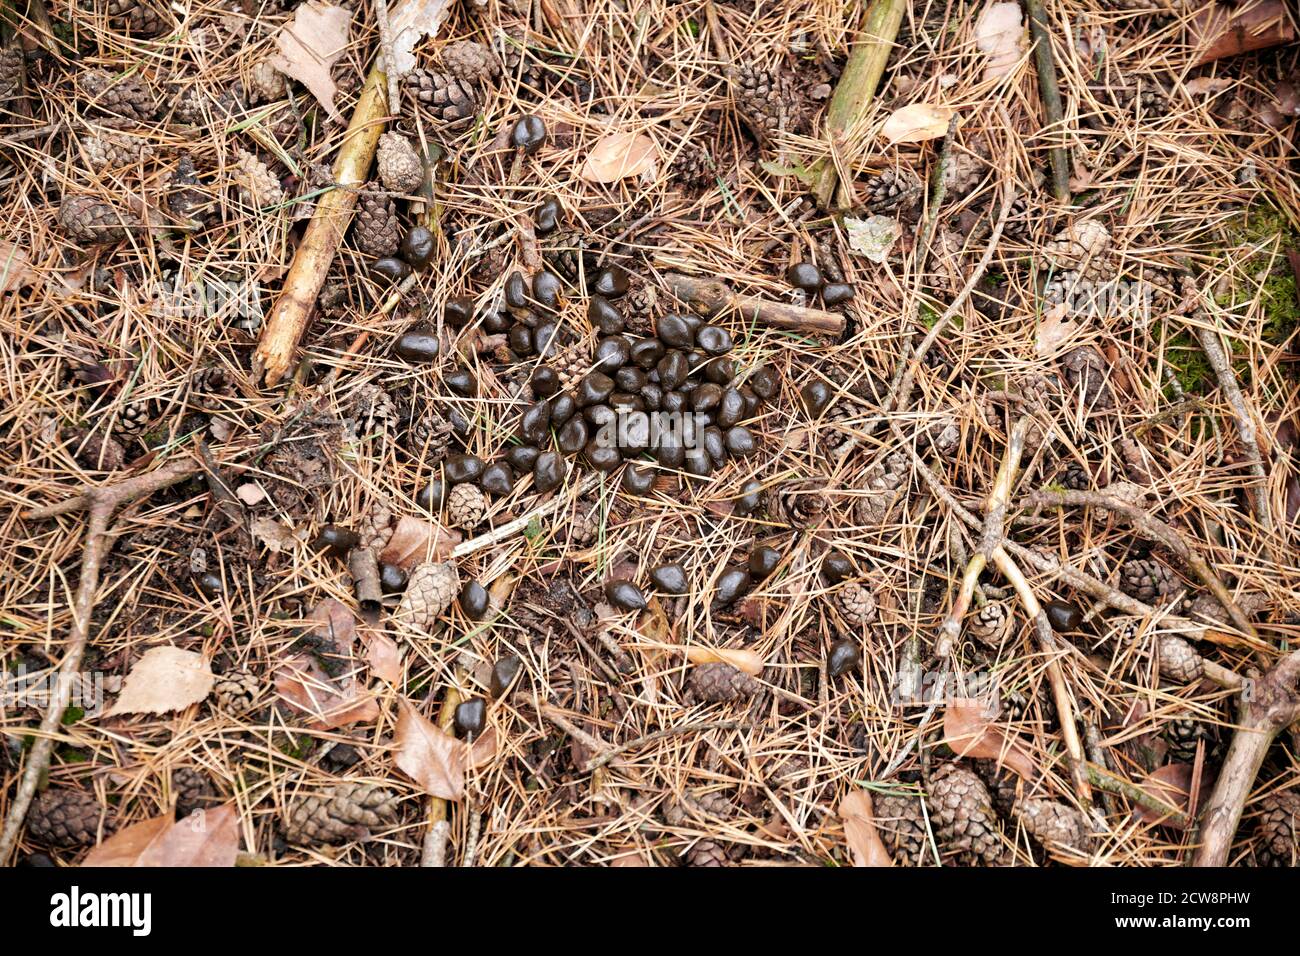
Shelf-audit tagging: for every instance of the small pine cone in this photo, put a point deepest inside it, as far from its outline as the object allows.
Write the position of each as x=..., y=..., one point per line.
x=1279, y=822
x=764, y=98
x=585, y=524
x=943, y=435
x=1138, y=95
x=86, y=219
x=1179, y=661
x=1056, y=825
x=465, y=506
x=1126, y=493
x=1206, y=607
x=800, y=501
x=236, y=691
x=136, y=17
x=266, y=84
x=1075, y=477
x=572, y=363
x=400, y=169
x=565, y=250
x=520, y=59
x=886, y=486
x=376, y=230
x=1183, y=735
x=718, y=681
x=374, y=414
x=342, y=813
x=900, y=821
x=706, y=853
x=65, y=818
x=192, y=789
x=210, y=387
x=962, y=811
x=856, y=604
x=97, y=450
x=469, y=61
x=698, y=806
x=1078, y=244
x=125, y=97
x=259, y=188
x=427, y=434
x=375, y=528
x=693, y=167
x=104, y=151
x=963, y=172
x=1147, y=580
x=194, y=106
x=429, y=592
x=641, y=306
x=184, y=196
x=839, y=425
x=13, y=65
x=989, y=624
x=450, y=98
x=1086, y=370
x=135, y=417
x=894, y=191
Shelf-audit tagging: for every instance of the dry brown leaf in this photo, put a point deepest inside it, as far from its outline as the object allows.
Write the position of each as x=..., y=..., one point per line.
x=1219, y=31
x=1056, y=330
x=860, y=830
x=1172, y=785
x=415, y=540
x=971, y=731
x=631, y=857
x=1000, y=35
x=411, y=22
x=1208, y=84
x=328, y=702
x=204, y=838
x=15, y=267
x=164, y=679
x=618, y=156
x=738, y=657
x=310, y=44
x=383, y=656
x=433, y=758
x=250, y=493
x=276, y=535
x=917, y=123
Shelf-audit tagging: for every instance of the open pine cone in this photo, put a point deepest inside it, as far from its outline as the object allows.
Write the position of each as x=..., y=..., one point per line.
x=340, y=814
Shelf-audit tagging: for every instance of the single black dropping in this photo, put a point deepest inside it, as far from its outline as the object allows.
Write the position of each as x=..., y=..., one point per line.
x=625, y=595
x=670, y=578
x=471, y=715
x=844, y=657
x=528, y=134
x=473, y=600
x=417, y=345
x=497, y=480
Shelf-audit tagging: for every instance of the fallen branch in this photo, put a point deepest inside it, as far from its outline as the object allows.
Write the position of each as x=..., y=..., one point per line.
x=294, y=306
x=1272, y=705
x=711, y=297
x=101, y=503
x=855, y=90
x=1050, y=90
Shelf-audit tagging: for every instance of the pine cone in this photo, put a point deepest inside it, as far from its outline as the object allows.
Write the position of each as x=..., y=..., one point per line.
x=194, y=106
x=799, y=501
x=136, y=17
x=192, y=789
x=565, y=250
x=184, y=196
x=856, y=604
x=1279, y=821
x=1086, y=370
x=900, y=821
x=1078, y=244
x=124, y=97
x=698, y=806
x=962, y=811
x=13, y=67
x=259, y=188
x=1207, y=607
x=450, y=99
x=1136, y=95
x=376, y=526
x=718, y=681
x=429, y=592
x=400, y=169
x=520, y=59
x=104, y=151
x=469, y=61
x=1179, y=661
x=97, y=450
x=988, y=624
x=87, y=219
x=135, y=417
x=894, y=191
x=211, y=387
x=764, y=98
x=641, y=306
x=342, y=813
x=376, y=230
x=840, y=424
x=572, y=364
x=1003, y=784
x=1184, y=734
x=373, y=414
x=1147, y=580
x=706, y=853
x=1056, y=825
x=886, y=486
x=427, y=434
x=943, y=435
x=266, y=84
x=584, y=526
x=65, y=818
x=693, y=167
x=236, y=691
x=964, y=171
x=465, y=506
x=1126, y=493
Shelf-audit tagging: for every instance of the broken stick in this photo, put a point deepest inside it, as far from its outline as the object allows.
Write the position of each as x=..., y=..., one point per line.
x=710, y=297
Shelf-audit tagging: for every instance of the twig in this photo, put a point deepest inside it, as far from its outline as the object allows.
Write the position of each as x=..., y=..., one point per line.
x=100, y=503
x=1107, y=781
x=512, y=528
x=1271, y=705
x=857, y=85
x=612, y=753
x=1050, y=91
x=389, y=60
x=710, y=297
